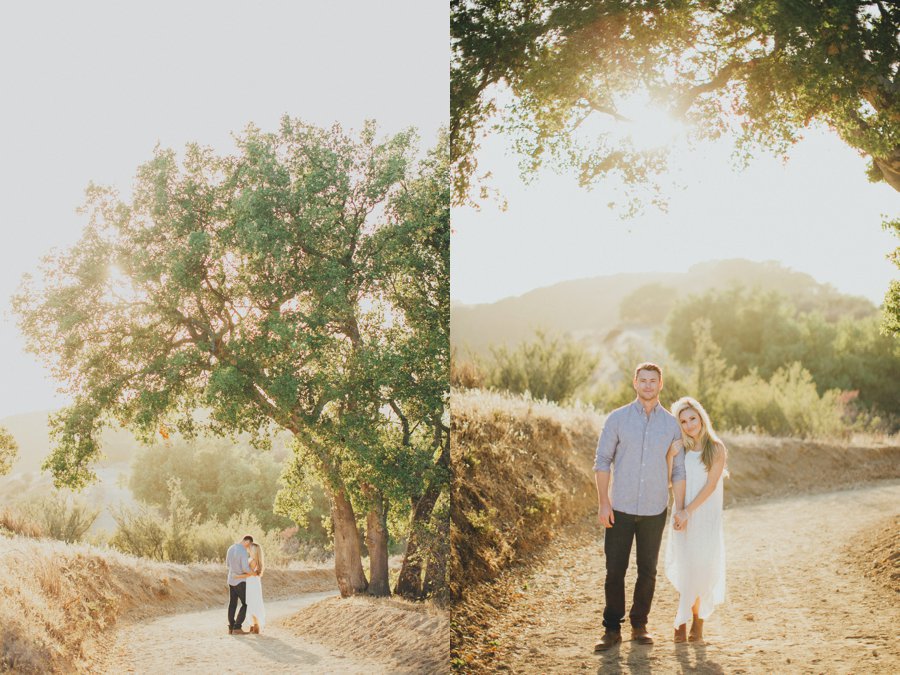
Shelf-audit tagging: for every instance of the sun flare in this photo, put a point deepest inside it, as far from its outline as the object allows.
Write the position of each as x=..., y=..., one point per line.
x=647, y=125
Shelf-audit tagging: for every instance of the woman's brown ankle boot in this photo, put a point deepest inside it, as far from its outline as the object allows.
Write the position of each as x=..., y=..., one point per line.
x=681, y=633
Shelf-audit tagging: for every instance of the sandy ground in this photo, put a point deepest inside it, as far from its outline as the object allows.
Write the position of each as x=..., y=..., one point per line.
x=796, y=601
x=198, y=642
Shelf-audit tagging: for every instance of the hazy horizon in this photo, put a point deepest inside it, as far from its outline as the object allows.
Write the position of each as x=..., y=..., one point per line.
x=457, y=302
x=814, y=212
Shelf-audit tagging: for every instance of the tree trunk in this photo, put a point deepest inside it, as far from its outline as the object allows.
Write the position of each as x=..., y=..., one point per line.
x=890, y=168
x=377, y=543
x=436, y=572
x=348, y=568
x=409, y=583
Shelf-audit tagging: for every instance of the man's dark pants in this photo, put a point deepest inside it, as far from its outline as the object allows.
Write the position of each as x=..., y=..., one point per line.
x=647, y=531
x=238, y=592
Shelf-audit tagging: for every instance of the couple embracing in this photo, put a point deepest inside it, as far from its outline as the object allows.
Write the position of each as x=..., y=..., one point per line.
x=648, y=449
x=244, y=561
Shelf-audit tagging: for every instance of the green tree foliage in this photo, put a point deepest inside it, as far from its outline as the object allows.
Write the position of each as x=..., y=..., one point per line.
x=9, y=450
x=788, y=404
x=648, y=305
x=759, y=70
x=710, y=373
x=763, y=333
x=261, y=286
x=891, y=322
x=219, y=479
x=752, y=330
x=549, y=367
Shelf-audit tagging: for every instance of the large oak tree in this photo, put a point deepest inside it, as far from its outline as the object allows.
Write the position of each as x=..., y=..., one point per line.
x=253, y=286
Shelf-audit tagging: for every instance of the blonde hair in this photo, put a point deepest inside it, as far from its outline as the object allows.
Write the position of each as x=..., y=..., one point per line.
x=709, y=442
x=256, y=553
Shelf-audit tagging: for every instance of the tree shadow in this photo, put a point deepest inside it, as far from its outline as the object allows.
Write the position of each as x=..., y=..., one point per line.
x=276, y=649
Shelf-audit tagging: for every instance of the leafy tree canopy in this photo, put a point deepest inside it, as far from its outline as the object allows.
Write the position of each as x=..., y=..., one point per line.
x=241, y=284
x=761, y=70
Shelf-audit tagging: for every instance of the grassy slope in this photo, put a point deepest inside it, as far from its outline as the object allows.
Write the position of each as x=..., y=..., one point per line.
x=60, y=602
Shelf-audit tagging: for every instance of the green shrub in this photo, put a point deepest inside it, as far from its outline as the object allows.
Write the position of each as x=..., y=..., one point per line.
x=60, y=517
x=140, y=531
x=550, y=368
x=787, y=405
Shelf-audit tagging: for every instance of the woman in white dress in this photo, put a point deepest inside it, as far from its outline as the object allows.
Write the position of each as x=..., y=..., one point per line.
x=256, y=610
x=695, y=551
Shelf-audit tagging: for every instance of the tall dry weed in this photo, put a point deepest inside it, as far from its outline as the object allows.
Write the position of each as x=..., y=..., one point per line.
x=14, y=521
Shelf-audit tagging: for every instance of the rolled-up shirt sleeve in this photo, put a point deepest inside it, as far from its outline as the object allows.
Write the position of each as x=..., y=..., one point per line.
x=606, y=447
x=678, y=472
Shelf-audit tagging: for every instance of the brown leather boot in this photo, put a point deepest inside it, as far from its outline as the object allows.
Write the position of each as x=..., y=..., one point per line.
x=640, y=635
x=254, y=629
x=696, y=630
x=609, y=640
x=681, y=633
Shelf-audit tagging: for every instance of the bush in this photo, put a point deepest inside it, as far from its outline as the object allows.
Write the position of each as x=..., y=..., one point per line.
x=550, y=368
x=787, y=405
x=63, y=518
x=141, y=532
x=465, y=374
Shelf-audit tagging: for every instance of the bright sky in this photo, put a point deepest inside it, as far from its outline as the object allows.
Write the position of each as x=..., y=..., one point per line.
x=89, y=88
x=817, y=214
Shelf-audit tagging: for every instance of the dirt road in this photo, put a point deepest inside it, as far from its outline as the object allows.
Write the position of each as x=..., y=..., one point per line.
x=198, y=642
x=794, y=602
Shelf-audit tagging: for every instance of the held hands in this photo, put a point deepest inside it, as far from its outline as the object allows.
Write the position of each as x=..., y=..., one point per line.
x=605, y=516
x=681, y=519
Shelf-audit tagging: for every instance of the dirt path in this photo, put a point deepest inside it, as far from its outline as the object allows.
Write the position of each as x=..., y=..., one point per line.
x=794, y=601
x=198, y=642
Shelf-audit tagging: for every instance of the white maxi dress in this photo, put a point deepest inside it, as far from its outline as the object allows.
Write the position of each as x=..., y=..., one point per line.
x=695, y=557
x=255, y=606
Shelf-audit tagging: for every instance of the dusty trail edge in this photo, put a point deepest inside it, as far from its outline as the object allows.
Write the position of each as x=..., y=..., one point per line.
x=797, y=600
x=198, y=642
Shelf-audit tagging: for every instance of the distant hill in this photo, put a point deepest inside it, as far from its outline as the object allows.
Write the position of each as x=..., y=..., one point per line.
x=592, y=307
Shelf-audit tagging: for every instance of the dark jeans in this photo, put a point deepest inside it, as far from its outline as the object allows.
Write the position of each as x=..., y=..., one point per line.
x=236, y=593
x=647, y=530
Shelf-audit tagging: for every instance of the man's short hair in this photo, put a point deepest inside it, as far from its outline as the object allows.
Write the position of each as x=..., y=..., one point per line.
x=647, y=365
x=247, y=537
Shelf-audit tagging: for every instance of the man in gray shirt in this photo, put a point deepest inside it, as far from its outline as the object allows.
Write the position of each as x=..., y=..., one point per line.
x=237, y=560
x=634, y=444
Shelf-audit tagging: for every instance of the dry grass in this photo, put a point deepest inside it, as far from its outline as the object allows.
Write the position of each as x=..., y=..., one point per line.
x=762, y=466
x=13, y=521
x=60, y=601
x=520, y=469
x=876, y=553
x=407, y=637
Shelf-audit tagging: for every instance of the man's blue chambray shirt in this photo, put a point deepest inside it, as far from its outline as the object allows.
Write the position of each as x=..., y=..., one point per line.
x=635, y=445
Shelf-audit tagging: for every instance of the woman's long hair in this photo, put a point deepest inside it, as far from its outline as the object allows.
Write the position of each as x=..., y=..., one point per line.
x=708, y=440
x=256, y=553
